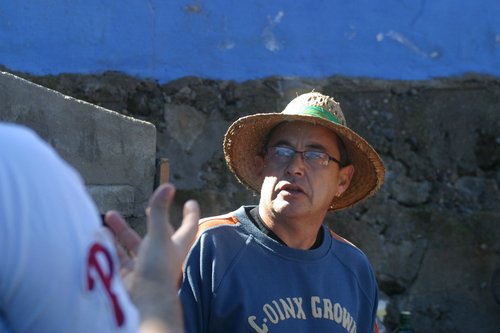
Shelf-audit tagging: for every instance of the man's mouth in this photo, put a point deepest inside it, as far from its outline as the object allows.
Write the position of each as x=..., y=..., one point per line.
x=291, y=188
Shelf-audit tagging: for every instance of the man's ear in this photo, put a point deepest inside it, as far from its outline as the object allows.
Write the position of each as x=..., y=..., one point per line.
x=259, y=165
x=345, y=177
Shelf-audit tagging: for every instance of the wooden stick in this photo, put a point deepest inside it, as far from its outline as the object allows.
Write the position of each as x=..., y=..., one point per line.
x=164, y=170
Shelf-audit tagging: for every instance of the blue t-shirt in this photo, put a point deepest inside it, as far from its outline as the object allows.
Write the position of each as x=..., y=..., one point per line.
x=237, y=279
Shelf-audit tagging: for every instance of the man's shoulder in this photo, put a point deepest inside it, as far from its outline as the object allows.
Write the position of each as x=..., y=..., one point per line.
x=340, y=238
x=352, y=258
x=222, y=223
x=347, y=252
x=220, y=235
x=228, y=219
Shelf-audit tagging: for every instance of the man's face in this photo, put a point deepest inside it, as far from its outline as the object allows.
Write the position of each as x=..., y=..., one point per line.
x=297, y=187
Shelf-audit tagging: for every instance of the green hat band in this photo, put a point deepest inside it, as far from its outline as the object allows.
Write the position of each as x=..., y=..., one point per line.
x=317, y=111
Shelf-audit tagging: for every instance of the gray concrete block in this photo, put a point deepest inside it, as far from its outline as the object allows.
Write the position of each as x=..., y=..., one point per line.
x=113, y=197
x=107, y=148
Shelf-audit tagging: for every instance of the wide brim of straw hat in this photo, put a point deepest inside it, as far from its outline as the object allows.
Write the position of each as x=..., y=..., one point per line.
x=245, y=138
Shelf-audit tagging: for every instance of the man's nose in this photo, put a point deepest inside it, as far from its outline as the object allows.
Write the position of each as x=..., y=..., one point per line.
x=296, y=165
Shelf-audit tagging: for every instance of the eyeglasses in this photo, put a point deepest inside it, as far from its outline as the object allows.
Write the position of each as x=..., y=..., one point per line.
x=283, y=155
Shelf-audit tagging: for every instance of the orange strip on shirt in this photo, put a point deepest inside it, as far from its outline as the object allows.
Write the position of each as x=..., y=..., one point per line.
x=215, y=221
x=339, y=238
x=207, y=223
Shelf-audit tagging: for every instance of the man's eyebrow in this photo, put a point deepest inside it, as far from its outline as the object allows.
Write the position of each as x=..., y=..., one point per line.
x=314, y=146
x=282, y=142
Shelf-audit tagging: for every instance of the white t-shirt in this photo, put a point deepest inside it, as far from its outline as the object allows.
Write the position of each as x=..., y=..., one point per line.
x=58, y=269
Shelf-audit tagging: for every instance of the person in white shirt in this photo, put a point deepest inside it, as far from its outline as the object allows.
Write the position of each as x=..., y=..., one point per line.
x=59, y=269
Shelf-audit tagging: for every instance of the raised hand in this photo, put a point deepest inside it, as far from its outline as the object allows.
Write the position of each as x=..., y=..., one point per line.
x=152, y=266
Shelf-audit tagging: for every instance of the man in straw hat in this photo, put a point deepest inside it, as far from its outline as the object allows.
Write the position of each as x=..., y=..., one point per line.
x=276, y=267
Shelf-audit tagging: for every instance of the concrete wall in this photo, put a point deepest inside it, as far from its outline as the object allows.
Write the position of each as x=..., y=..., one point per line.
x=166, y=40
x=114, y=153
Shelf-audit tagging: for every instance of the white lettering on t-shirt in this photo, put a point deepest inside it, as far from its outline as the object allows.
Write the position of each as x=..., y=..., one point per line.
x=292, y=308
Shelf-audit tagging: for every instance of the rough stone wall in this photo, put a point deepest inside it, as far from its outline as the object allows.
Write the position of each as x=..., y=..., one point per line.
x=432, y=233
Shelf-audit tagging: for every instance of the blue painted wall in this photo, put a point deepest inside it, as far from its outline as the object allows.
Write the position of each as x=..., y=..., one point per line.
x=240, y=40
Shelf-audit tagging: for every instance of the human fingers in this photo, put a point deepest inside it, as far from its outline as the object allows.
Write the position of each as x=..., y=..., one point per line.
x=184, y=235
x=158, y=212
x=126, y=261
x=125, y=235
x=158, y=269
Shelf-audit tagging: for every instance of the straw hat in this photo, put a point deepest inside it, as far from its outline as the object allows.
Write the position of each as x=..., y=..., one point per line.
x=245, y=138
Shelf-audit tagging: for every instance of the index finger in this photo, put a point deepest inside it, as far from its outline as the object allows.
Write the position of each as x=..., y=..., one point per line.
x=183, y=237
x=125, y=235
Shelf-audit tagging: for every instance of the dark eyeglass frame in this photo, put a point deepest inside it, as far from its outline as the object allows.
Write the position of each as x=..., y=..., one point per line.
x=308, y=156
